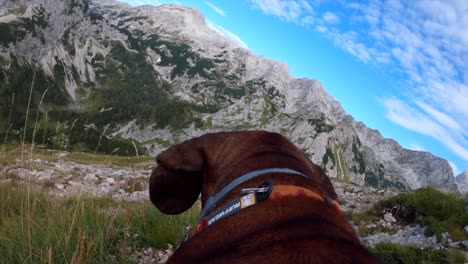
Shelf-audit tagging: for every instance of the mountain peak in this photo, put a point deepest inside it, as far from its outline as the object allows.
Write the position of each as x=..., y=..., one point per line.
x=160, y=75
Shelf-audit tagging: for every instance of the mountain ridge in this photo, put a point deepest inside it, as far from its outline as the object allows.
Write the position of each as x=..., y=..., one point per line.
x=166, y=77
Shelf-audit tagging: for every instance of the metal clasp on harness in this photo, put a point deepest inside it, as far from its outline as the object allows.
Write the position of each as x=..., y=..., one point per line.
x=262, y=192
x=254, y=190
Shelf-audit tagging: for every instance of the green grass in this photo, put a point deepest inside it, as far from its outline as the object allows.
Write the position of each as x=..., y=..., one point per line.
x=363, y=219
x=13, y=152
x=38, y=228
x=441, y=212
x=391, y=253
x=89, y=158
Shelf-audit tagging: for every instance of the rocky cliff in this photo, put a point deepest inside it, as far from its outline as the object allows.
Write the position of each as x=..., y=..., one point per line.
x=462, y=182
x=159, y=75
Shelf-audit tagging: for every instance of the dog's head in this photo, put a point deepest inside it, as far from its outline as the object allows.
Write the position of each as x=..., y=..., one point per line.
x=195, y=166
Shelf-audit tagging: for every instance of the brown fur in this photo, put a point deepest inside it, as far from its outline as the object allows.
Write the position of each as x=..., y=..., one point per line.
x=287, y=230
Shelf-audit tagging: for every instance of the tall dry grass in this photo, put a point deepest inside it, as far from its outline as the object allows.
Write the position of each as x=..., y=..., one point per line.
x=36, y=227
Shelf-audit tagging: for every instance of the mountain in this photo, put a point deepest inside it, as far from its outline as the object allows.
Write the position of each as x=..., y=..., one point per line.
x=147, y=77
x=462, y=182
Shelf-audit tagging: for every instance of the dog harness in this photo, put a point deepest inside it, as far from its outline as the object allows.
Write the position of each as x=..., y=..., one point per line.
x=252, y=196
x=214, y=199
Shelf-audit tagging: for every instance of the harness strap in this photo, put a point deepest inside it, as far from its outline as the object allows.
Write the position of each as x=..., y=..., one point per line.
x=236, y=205
x=214, y=199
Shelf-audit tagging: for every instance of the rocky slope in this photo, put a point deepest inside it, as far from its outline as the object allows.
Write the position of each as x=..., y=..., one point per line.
x=56, y=175
x=462, y=182
x=159, y=75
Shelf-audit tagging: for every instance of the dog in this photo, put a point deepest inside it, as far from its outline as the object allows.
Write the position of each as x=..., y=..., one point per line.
x=263, y=201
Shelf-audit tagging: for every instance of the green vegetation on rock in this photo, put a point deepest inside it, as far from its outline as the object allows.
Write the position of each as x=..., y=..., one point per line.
x=396, y=254
x=379, y=180
x=358, y=156
x=320, y=124
x=441, y=212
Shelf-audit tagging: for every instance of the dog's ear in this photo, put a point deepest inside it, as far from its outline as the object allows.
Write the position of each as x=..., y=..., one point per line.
x=177, y=181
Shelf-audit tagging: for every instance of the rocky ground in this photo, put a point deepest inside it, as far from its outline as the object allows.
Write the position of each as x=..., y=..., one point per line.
x=66, y=178
x=387, y=229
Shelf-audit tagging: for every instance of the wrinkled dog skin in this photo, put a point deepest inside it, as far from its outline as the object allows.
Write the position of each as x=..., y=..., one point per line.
x=286, y=230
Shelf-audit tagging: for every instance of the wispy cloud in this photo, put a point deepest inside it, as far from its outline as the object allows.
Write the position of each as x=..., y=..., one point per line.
x=216, y=9
x=456, y=171
x=429, y=43
x=284, y=9
x=330, y=18
x=417, y=147
x=145, y=2
x=424, y=41
x=224, y=32
x=419, y=121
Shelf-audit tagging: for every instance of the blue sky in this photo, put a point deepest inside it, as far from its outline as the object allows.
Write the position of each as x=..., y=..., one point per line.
x=398, y=66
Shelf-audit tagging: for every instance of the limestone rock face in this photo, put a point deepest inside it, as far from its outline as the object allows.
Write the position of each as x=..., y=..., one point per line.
x=160, y=75
x=462, y=182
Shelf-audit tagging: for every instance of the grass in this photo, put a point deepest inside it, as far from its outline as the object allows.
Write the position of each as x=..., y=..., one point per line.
x=38, y=228
x=391, y=253
x=363, y=219
x=439, y=211
x=12, y=152
x=136, y=185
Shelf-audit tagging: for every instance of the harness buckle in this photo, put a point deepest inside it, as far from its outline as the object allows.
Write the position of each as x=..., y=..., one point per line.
x=262, y=192
x=254, y=190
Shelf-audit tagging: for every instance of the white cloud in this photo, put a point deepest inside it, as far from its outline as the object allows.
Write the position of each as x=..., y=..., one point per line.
x=456, y=171
x=320, y=29
x=145, y=2
x=417, y=147
x=330, y=18
x=307, y=20
x=428, y=41
x=216, y=9
x=440, y=117
x=224, y=32
x=285, y=9
x=418, y=121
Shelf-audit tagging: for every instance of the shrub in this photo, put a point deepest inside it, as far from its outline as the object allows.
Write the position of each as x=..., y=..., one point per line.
x=391, y=253
x=441, y=212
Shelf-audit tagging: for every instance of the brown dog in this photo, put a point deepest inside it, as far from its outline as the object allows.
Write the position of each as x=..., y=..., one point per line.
x=297, y=221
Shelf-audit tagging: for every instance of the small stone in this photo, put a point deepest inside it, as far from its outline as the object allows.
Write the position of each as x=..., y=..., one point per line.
x=465, y=243
x=105, y=189
x=454, y=245
x=59, y=186
x=110, y=181
x=466, y=229
x=62, y=154
x=90, y=178
x=388, y=217
x=73, y=183
x=44, y=178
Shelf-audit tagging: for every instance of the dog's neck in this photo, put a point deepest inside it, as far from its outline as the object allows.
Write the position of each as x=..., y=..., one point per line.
x=255, y=196
x=213, y=200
